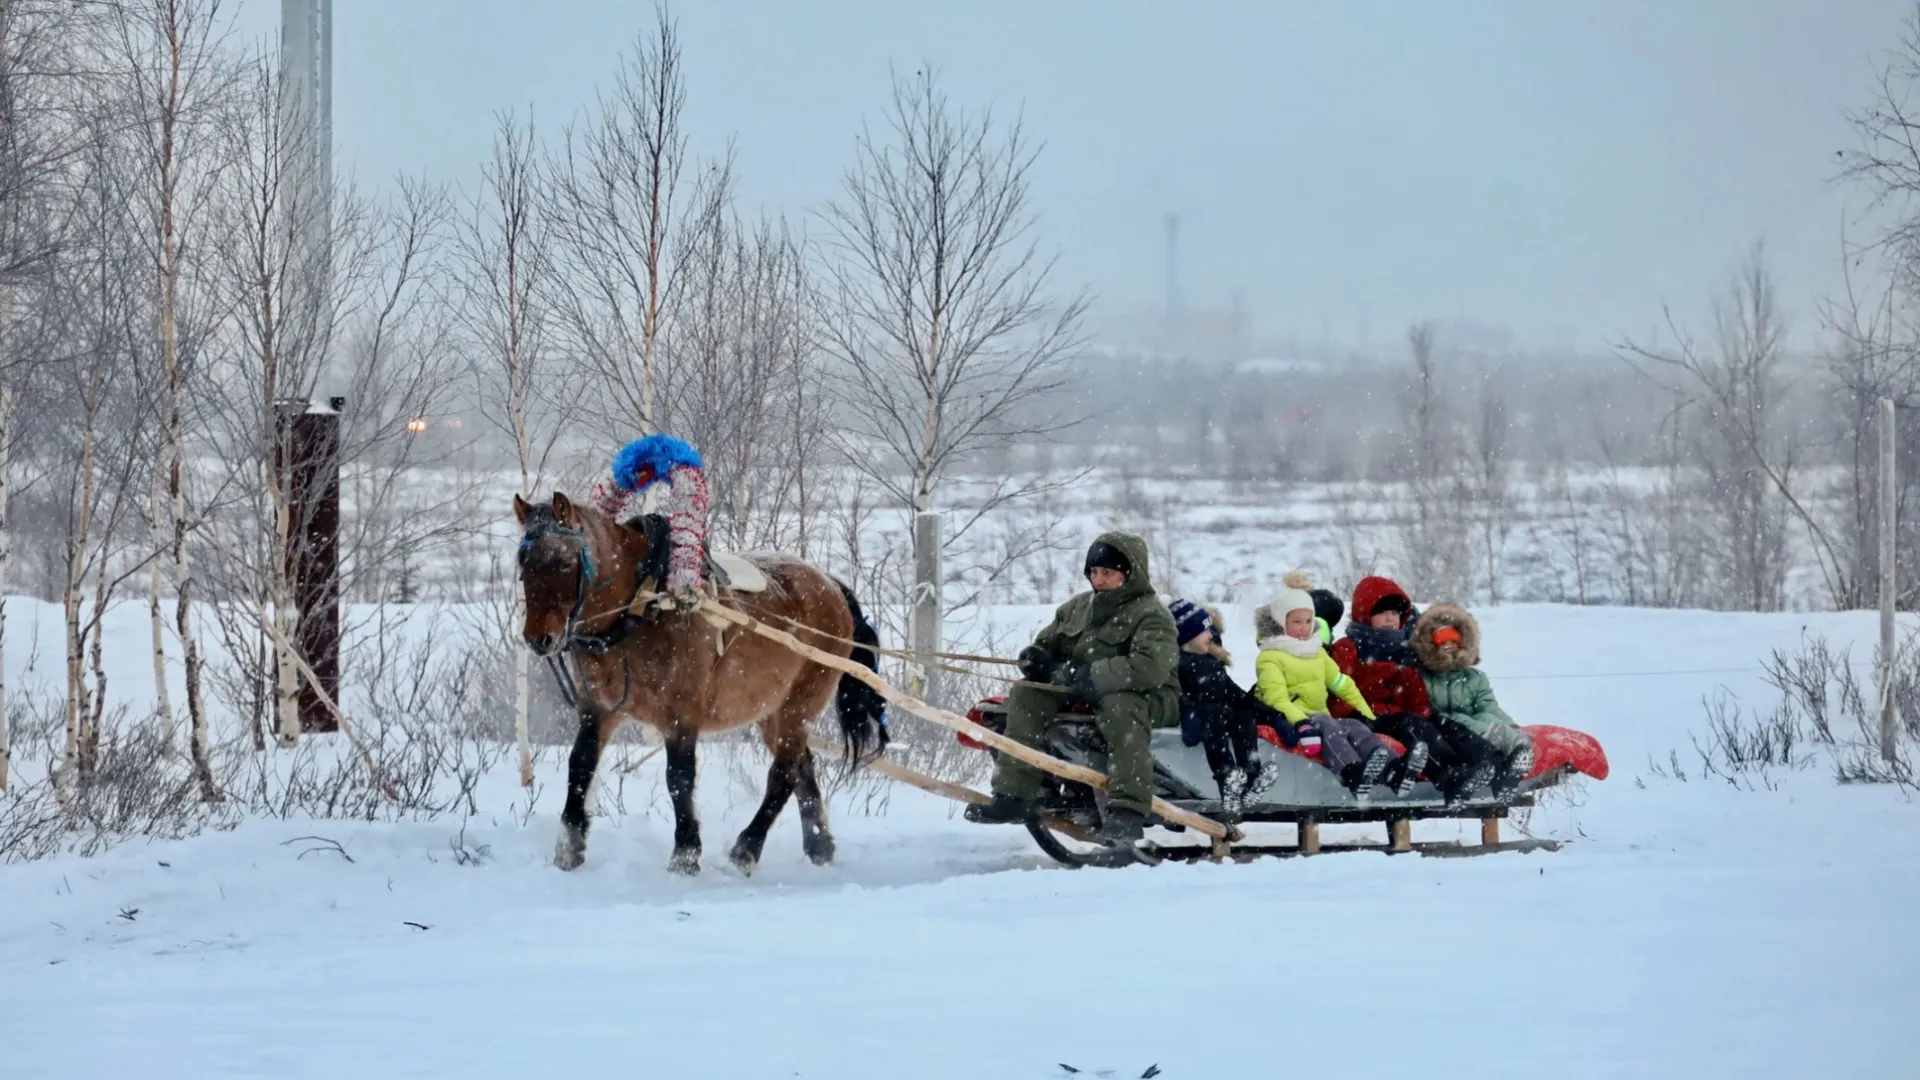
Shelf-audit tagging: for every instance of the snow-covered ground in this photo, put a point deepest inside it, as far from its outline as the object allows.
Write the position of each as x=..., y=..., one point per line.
x=1692, y=928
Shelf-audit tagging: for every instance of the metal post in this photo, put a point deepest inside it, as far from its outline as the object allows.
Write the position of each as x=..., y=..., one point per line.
x=306, y=149
x=925, y=625
x=1889, y=577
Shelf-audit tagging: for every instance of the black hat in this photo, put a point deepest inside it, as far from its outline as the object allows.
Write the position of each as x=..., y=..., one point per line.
x=1105, y=555
x=1327, y=607
x=1393, y=601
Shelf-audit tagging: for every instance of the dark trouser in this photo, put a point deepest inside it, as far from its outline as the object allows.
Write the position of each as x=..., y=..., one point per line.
x=1124, y=720
x=1227, y=735
x=1453, y=750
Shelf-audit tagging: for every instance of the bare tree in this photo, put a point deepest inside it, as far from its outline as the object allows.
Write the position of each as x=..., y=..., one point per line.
x=1490, y=480
x=505, y=274
x=941, y=315
x=1876, y=354
x=374, y=322
x=39, y=43
x=100, y=302
x=1730, y=403
x=614, y=191
x=1872, y=356
x=740, y=374
x=1434, y=538
x=168, y=53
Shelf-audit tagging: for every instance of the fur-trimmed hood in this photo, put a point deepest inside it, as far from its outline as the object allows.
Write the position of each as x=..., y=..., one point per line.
x=1272, y=635
x=1434, y=618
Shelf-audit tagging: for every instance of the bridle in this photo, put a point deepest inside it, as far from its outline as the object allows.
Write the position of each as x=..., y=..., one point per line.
x=574, y=639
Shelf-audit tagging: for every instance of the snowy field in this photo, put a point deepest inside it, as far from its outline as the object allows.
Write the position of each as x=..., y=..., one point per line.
x=1693, y=927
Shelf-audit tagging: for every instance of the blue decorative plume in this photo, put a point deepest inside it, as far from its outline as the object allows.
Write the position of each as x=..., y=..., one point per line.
x=658, y=453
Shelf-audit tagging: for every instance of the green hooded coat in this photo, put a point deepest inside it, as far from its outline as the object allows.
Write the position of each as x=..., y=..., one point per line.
x=1457, y=689
x=1125, y=638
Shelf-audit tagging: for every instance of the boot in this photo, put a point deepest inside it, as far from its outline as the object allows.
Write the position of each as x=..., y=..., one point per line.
x=1233, y=789
x=1507, y=781
x=1464, y=788
x=1123, y=828
x=1406, y=772
x=1260, y=777
x=1369, y=772
x=1003, y=810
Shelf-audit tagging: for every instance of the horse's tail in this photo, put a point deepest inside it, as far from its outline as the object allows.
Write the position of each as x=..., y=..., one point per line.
x=863, y=712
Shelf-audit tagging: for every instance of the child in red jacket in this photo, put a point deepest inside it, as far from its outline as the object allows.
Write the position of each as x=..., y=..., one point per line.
x=1375, y=654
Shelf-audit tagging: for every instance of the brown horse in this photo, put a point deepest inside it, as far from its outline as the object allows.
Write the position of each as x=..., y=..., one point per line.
x=580, y=572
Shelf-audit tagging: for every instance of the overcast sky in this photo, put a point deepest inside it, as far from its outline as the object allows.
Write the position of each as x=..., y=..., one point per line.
x=1558, y=168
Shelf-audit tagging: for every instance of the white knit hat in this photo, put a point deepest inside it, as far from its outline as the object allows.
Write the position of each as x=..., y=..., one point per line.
x=1293, y=597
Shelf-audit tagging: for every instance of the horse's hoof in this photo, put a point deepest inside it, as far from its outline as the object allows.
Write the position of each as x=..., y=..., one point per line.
x=747, y=861
x=819, y=848
x=685, y=861
x=571, y=851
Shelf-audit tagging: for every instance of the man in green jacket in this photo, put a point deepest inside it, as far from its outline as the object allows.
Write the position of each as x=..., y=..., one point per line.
x=1115, y=648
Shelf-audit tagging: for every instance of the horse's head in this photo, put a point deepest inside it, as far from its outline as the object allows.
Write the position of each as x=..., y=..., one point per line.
x=557, y=571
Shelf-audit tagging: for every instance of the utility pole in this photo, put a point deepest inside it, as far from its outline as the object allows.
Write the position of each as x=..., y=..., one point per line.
x=306, y=131
x=306, y=436
x=1889, y=578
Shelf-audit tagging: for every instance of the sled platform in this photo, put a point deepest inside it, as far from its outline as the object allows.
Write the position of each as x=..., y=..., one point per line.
x=1303, y=793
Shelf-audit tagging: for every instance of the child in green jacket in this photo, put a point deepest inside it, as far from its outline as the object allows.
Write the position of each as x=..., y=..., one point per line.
x=1294, y=675
x=1446, y=641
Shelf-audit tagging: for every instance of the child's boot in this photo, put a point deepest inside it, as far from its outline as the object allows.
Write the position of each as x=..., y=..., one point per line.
x=1369, y=772
x=1463, y=789
x=1406, y=772
x=1507, y=780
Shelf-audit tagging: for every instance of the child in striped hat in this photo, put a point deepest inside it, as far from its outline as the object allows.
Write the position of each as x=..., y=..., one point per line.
x=1216, y=712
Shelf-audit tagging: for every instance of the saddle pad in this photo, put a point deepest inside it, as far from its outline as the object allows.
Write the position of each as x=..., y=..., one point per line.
x=733, y=572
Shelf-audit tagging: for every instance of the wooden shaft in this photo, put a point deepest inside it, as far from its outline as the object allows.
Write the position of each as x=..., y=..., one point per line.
x=1489, y=830
x=893, y=770
x=1309, y=837
x=1043, y=761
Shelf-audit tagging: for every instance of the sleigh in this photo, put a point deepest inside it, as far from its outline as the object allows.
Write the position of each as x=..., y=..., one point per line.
x=1303, y=793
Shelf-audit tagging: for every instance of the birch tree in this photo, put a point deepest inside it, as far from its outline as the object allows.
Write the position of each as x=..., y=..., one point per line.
x=941, y=315
x=169, y=53
x=505, y=270
x=99, y=301
x=615, y=188
x=39, y=46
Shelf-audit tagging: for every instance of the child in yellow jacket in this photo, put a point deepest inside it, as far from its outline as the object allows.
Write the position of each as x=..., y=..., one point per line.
x=1294, y=675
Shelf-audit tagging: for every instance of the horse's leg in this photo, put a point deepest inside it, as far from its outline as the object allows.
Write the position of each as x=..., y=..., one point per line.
x=814, y=837
x=582, y=763
x=686, y=817
x=780, y=781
